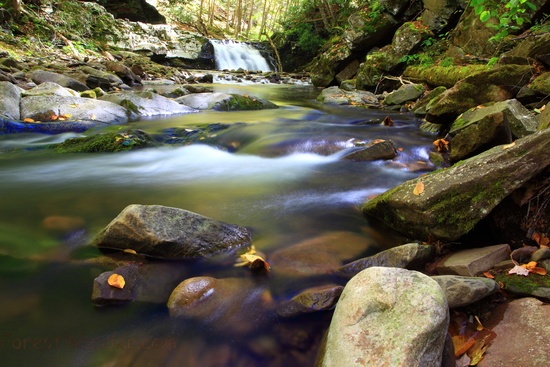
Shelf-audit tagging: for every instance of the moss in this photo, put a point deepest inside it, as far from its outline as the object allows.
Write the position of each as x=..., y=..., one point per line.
x=108, y=142
x=523, y=284
x=443, y=75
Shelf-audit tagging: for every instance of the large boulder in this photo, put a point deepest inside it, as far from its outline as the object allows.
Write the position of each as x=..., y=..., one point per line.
x=95, y=112
x=147, y=104
x=224, y=102
x=387, y=317
x=498, y=84
x=462, y=291
x=481, y=128
x=10, y=98
x=448, y=203
x=42, y=76
x=170, y=233
x=335, y=95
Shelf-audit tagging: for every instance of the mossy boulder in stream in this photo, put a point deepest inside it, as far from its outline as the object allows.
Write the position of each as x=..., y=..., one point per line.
x=224, y=102
x=448, y=203
x=170, y=233
x=107, y=143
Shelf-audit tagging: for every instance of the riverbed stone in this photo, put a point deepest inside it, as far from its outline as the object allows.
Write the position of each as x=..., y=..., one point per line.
x=42, y=76
x=473, y=262
x=104, y=294
x=170, y=233
x=231, y=305
x=522, y=329
x=319, y=255
x=146, y=104
x=224, y=102
x=410, y=256
x=448, y=203
x=387, y=317
x=49, y=89
x=489, y=125
x=405, y=93
x=462, y=291
x=335, y=95
x=10, y=98
x=381, y=150
x=499, y=84
x=310, y=300
x=79, y=109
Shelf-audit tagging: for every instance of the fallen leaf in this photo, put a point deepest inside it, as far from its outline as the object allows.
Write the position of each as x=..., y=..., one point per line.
x=488, y=275
x=507, y=146
x=519, y=271
x=441, y=145
x=130, y=251
x=538, y=270
x=419, y=188
x=28, y=119
x=253, y=260
x=541, y=239
x=116, y=280
x=477, y=352
x=479, y=326
x=462, y=343
x=530, y=265
x=387, y=121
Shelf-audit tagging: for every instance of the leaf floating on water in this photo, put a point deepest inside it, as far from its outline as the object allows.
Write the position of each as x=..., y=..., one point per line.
x=116, y=280
x=253, y=260
x=419, y=188
x=519, y=271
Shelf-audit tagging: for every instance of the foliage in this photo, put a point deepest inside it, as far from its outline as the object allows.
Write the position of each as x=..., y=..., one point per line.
x=506, y=16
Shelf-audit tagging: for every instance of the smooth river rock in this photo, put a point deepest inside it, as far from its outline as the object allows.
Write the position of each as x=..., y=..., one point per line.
x=171, y=233
x=387, y=317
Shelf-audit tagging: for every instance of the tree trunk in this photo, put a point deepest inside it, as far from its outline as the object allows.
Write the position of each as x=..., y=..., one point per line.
x=249, y=22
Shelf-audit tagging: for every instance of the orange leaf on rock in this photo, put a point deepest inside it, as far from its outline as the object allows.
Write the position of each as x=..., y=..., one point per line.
x=28, y=119
x=539, y=271
x=488, y=275
x=462, y=343
x=117, y=281
x=419, y=188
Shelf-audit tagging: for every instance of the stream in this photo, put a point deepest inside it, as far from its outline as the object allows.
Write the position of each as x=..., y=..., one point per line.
x=286, y=181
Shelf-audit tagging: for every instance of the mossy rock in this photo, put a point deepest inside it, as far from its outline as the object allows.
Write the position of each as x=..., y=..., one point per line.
x=541, y=84
x=106, y=143
x=446, y=76
x=531, y=285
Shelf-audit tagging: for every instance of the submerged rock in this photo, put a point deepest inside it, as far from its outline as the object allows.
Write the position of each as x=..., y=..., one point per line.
x=410, y=256
x=387, y=317
x=462, y=291
x=235, y=306
x=314, y=299
x=448, y=203
x=381, y=150
x=170, y=233
x=104, y=294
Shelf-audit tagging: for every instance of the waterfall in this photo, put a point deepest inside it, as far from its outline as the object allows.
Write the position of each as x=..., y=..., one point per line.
x=234, y=55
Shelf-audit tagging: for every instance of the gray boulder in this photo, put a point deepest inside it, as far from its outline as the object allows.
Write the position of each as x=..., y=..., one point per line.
x=224, y=102
x=381, y=150
x=341, y=97
x=462, y=291
x=448, y=203
x=405, y=93
x=146, y=104
x=314, y=299
x=473, y=262
x=42, y=76
x=410, y=255
x=387, y=317
x=170, y=233
x=482, y=128
x=50, y=89
x=93, y=111
x=10, y=98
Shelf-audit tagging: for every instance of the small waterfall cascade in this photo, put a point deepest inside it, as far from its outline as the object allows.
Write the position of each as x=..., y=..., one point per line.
x=234, y=55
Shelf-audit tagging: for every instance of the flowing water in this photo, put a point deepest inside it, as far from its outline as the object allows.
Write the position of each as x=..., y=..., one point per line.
x=286, y=181
x=232, y=55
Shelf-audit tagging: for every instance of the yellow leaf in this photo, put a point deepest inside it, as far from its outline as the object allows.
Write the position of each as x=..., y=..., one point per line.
x=130, y=251
x=93, y=117
x=419, y=188
x=28, y=119
x=462, y=343
x=507, y=146
x=477, y=352
x=116, y=280
x=253, y=260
